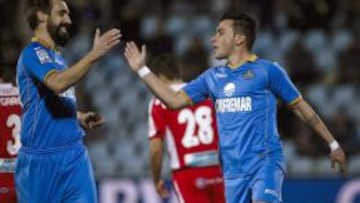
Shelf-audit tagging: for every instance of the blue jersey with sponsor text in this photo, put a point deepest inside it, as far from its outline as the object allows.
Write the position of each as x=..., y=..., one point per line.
x=48, y=119
x=246, y=104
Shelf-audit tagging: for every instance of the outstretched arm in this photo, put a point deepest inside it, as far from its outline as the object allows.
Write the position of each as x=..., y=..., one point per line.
x=136, y=60
x=61, y=81
x=304, y=111
x=156, y=158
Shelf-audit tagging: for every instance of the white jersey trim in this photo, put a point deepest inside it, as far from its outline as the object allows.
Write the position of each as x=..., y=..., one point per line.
x=171, y=148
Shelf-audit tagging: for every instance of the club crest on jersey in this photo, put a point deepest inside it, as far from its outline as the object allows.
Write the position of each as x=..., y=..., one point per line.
x=42, y=55
x=229, y=89
x=248, y=75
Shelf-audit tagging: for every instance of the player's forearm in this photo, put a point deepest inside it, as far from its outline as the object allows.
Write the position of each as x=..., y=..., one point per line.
x=61, y=81
x=156, y=164
x=172, y=99
x=156, y=157
x=306, y=113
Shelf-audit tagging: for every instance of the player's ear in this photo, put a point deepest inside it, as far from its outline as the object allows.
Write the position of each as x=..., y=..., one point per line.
x=42, y=17
x=240, y=39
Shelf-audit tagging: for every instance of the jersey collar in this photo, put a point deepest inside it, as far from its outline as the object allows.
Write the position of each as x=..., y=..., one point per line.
x=251, y=58
x=44, y=43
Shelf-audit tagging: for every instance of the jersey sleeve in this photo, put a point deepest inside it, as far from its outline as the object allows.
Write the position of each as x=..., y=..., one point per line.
x=38, y=63
x=157, y=124
x=282, y=86
x=197, y=90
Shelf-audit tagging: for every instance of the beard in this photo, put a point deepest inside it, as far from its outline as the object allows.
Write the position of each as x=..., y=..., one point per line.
x=58, y=34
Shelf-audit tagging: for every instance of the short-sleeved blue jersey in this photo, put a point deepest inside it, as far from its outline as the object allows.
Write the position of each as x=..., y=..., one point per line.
x=246, y=106
x=48, y=119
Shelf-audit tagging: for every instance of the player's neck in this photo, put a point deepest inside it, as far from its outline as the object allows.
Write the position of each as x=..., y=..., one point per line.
x=42, y=35
x=237, y=59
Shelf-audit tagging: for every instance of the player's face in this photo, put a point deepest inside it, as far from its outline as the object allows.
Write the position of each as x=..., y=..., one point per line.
x=59, y=22
x=223, y=41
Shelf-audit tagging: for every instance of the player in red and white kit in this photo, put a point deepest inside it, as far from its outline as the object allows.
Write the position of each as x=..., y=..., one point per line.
x=191, y=140
x=10, y=122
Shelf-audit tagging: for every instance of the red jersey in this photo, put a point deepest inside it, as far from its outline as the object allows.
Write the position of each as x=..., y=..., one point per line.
x=190, y=133
x=10, y=123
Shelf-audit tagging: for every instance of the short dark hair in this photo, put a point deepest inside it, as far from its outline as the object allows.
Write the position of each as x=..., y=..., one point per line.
x=244, y=24
x=168, y=65
x=31, y=9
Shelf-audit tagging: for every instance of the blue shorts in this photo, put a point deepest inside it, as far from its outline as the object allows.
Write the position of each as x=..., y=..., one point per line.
x=264, y=185
x=57, y=175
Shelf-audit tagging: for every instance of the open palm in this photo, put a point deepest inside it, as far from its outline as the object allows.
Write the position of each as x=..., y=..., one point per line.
x=103, y=43
x=135, y=58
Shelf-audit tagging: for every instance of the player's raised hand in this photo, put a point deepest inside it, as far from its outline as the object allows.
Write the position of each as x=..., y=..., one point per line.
x=161, y=189
x=338, y=156
x=103, y=43
x=135, y=58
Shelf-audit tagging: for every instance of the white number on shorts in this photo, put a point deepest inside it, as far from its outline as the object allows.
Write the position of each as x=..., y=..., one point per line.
x=14, y=122
x=202, y=118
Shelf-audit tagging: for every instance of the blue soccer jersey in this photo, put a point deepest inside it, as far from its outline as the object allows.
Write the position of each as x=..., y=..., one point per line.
x=246, y=105
x=49, y=119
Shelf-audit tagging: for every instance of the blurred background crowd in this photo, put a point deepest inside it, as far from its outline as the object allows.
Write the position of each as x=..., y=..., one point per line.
x=317, y=42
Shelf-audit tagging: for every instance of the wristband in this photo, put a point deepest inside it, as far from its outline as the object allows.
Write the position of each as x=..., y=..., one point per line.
x=144, y=70
x=334, y=145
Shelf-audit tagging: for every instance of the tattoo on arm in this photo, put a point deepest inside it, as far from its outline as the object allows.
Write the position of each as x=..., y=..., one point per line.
x=313, y=120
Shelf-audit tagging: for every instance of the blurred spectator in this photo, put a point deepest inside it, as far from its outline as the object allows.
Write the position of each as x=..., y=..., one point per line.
x=7, y=9
x=300, y=64
x=195, y=58
x=11, y=47
x=128, y=19
x=343, y=127
x=309, y=14
x=352, y=12
x=349, y=63
x=264, y=11
x=161, y=42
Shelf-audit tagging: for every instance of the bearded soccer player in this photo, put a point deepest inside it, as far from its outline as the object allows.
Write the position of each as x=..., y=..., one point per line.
x=10, y=124
x=53, y=163
x=191, y=139
x=245, y=93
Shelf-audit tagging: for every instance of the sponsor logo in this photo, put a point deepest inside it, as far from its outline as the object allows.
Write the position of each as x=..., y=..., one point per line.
x=4, y=190
x=271, y=192
x=237, y=104
x=42, y=55
x=229, y=89
x=9, y=101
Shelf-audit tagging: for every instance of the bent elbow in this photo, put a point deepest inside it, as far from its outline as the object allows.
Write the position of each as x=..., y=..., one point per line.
x=55, y=84
x=56, y=87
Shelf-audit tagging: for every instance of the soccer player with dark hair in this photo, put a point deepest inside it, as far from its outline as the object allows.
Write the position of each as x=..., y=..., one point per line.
x=191, y=138
x=245, y=93
x=53, y=164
